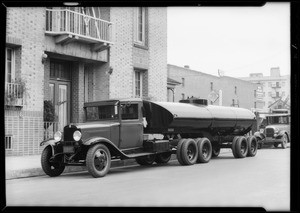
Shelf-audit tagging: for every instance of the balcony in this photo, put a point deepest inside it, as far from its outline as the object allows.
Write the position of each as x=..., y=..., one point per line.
x=69, y=26
x=14, y=93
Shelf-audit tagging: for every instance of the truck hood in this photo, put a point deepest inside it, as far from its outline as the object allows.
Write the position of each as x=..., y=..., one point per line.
x=96, y=124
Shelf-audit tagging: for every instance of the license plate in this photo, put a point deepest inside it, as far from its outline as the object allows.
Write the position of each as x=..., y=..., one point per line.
x=68, y=149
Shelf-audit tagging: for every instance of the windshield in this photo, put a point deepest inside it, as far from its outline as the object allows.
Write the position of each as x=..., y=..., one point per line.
x=105, y=112
x=278, y=120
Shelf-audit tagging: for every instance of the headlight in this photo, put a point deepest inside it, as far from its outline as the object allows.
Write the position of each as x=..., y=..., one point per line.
x=77, y=135
x=57, y=136
x=261, y=130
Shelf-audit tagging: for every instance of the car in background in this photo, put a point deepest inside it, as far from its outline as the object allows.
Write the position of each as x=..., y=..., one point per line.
x=275, y=129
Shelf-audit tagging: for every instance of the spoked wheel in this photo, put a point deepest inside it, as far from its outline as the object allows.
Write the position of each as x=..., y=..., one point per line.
x=241, y=147
x=163, y=158
x=52, y=169
x=189, y=152
x=284, y=141
x=204, y=150
x=252, y=146
x=98, y=160
x=146, y=160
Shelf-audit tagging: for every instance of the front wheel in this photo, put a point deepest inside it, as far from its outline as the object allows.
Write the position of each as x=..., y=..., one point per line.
x=284, y=141
x=52, y=169
x=98, y=160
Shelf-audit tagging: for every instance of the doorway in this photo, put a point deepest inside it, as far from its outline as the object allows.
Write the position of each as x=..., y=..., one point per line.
x=59, y=88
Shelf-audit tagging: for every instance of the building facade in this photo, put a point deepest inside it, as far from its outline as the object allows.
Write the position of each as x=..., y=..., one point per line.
x=275, y=89
x=63, y=57
x=219, y=90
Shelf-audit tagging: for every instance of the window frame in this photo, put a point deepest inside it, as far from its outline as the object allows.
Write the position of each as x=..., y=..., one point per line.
x=137, y=40
x=13, y=70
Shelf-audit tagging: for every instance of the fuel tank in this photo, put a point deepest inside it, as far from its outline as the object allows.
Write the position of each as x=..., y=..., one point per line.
x=193, y=117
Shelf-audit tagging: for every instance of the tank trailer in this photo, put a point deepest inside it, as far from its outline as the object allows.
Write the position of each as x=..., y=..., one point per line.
x=149, y=132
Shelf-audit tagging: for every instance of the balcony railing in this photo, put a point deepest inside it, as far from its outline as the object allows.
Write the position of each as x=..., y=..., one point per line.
x=14, y=93
x=49, y=129
x=65, y=21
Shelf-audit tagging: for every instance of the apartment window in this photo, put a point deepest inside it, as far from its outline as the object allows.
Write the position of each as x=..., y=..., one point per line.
x=9, y=65
x=233, y=102
x=140, y=26
x=277, y=94
x=235, y=90
x=277, y=84
x=255, y=105
x=138, y=84
x=60, y=70
x=182, y=82
x=8, y=142
x=254, y=93
x=211, y=86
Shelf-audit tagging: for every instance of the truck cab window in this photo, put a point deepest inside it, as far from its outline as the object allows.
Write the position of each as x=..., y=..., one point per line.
x=129, y=111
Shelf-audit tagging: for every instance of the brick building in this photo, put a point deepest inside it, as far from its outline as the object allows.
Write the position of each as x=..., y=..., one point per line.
x=275, y=89
x=71, y=55
x=219, y=90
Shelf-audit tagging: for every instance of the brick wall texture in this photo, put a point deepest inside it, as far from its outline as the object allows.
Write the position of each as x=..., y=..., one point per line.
x=26, y=33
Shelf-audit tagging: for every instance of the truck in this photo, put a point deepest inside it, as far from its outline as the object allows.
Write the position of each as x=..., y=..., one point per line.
x=274, y=130
x=149, y=132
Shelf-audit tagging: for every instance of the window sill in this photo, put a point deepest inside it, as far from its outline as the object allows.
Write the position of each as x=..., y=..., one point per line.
x=141, y=46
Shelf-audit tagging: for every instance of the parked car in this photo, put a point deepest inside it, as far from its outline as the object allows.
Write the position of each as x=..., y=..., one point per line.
x=274, y=130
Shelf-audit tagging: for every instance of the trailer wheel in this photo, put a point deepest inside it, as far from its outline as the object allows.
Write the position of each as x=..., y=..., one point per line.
x=215, y=151
x=252, y=146
x=241, y=147
x=146, y=160
x=163, y=158
x=52, y=169
x=98, y=160
x=233, y=146
x=189, y=152
x=178, y=151
x=204, y=150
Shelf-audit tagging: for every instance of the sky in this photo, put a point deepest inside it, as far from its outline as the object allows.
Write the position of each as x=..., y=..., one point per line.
x=235, y=40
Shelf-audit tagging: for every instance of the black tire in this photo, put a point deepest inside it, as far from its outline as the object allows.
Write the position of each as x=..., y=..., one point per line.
x=163, y=158
x=178, y=151
x=275, y=145
x=204, y=150
x=233, y=146
x=215, y=151
x=252, y=146
x=98, y=160
x=241, y=147
x=189, y=152
x=284, y=141
x=146, y=160
x=52, y=169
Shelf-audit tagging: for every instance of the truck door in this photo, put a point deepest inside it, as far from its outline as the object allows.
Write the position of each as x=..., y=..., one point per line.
x=131, y=126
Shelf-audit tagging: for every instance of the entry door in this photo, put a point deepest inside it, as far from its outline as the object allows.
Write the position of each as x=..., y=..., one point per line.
x=60, y=96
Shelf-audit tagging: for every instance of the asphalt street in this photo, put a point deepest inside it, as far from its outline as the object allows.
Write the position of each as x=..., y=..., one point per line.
x=260, y=181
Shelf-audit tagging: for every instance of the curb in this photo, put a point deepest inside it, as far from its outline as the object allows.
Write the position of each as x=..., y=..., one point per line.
x=33, y=172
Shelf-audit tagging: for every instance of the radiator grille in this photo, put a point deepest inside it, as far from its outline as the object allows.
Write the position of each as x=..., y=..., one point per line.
x=270, y=132
x=68, y=133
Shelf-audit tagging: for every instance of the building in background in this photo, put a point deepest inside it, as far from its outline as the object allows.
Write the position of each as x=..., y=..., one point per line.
x=219, y=90
x=63, y=57
x=275, y=89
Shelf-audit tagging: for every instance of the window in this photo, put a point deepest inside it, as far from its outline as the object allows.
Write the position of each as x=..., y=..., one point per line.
x=211, y=86
x=277, y=94
x=60, y=70
x=138, y=87
x=10, y=65
x=254, y=93
x=233, y=102
x=140, y=25
x=129, y=111
x=277, y=84
x=255, y=105
x=8, y=142
x=182, y=96
x=182, y=82
x=235, y=90
x=105, y=112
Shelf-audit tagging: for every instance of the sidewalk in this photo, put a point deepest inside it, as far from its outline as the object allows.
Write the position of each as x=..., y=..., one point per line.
x=30, y=166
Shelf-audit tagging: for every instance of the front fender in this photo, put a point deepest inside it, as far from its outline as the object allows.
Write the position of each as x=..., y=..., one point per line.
x=280, y=134
x=259, y=136
x=49, y=141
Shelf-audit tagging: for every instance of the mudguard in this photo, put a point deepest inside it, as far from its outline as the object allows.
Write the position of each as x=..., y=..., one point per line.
x=50, y=141
x=259, y=136
x=280, y=134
